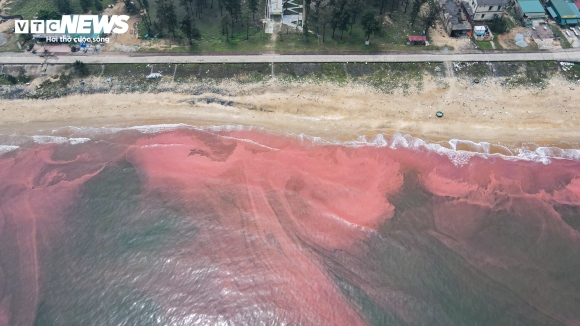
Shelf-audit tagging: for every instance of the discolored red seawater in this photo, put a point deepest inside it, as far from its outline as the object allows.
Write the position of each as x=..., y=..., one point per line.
x=201, y=227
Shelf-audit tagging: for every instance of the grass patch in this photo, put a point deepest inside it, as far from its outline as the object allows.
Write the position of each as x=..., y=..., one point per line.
x=28, y=8
x=473, y=69
x=563, y=40
x=532, y=74
x=244, y=73
x=11, y=43
x=385, y=77
x=484, y=45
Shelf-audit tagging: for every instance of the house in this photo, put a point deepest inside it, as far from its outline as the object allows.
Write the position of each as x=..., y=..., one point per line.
x=417, y=40
x=485, y=10
x=529, y=10
x=274, y=9
x=565, y=13
x=454, y=19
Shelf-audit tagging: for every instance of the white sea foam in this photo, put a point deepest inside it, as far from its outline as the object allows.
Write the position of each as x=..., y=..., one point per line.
x=458, y=156
x=58, y=140
x=251, y=142
x=7, y=148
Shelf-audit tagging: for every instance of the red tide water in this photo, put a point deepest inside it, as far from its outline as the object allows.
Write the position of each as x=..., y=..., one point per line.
x=293, y=231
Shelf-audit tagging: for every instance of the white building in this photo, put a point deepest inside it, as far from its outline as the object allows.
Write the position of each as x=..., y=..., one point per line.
x=283, y=12
x=274, y=8
x=485, y=10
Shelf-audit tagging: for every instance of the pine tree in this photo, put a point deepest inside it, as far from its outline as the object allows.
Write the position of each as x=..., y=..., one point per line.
x=253, y=5
x=415, y=10
x=85, y=5
x=189, y=29
x=370, y=24
x=64, y=6
x=226, y=26
x=170, y=17
x=246, y=20
x=354, y=8
x=430, y=16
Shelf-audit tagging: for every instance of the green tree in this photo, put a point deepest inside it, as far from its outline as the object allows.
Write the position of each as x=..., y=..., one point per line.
x=233, y=7
x=129, y=7
x=98, y=5
x=48, y=15
x=431, y=15
x=64, y=6
x=499, y=26
x=324, y=16
x=144, y=4
x=383, y=4
x=416, y=9
x=370, y=24
x=188, y=5
x=353, y=8
x=189, y=29
x=225, y=27
x=406, y=4
x=11, y=79
x=253, y=5
x=166, y=16
x=246, y=20
x=23, y=38
x=81, y=68
x=343, y=23
x=170, y=17
x=86, y=5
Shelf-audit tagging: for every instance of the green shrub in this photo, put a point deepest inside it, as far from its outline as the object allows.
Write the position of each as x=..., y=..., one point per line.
x=11, y=79
x=81, y=69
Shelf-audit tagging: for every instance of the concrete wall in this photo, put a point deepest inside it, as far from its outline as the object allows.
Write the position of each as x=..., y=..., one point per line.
x=33, y=70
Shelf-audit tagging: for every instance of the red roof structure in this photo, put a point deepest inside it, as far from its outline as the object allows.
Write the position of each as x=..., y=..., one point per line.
x=577, y=2
x=418, y=38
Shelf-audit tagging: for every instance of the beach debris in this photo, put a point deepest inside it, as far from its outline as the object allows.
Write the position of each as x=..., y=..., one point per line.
x=439, y=114
x=476, y=81
x=438, y=69
x=154, y=76
x=566, y=66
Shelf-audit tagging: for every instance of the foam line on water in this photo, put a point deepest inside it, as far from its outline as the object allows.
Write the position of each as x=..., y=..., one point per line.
x=457, y=156
x=7, y=148
x=59, y=140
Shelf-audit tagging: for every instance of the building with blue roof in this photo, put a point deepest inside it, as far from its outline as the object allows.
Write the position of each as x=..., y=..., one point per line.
x=565, y=13
x=529, y=10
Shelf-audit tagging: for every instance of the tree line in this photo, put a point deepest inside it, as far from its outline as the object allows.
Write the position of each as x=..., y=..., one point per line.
x=336, y=17
x=323, y=17
x=167, y=19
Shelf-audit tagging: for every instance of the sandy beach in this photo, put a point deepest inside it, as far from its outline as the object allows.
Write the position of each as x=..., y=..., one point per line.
x=479, y=112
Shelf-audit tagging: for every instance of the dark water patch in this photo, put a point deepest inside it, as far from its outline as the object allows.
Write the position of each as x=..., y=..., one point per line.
x=569, y=214
x=370, y=310
x=114, y=242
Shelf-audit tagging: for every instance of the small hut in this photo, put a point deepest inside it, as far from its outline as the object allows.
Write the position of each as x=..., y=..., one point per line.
x=416, y=40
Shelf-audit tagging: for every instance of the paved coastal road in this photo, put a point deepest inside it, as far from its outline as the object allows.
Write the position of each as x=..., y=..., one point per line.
x=27, y=58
